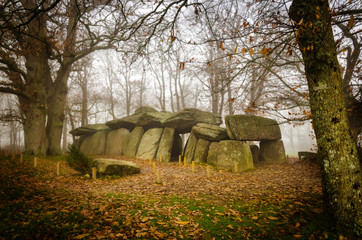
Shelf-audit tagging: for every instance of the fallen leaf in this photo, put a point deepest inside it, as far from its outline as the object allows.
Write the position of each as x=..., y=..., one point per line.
x=81, y=236
x=182, y=222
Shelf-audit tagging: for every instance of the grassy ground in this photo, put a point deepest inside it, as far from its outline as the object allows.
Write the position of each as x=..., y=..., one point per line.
x=270, y=202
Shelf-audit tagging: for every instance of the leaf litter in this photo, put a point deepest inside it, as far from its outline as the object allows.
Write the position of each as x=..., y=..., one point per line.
x=249, y=205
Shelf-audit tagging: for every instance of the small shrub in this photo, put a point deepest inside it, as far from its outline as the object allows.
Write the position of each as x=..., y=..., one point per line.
x=79, y=161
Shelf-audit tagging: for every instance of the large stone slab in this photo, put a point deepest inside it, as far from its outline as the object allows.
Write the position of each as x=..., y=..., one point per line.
x=94, y=144
x=190, y=148
x=147, y=120
x=128, y=122
x=272, y=151
x=89, y=129
x=212, y=153
x=252, y=128
x=201, y=150
x=107, y=166
x=231, y=152
x=210, y=132
x=134, y=139
x=144, y=109
x=184, y=120
x=152, y=119
x=166, y=144
x=115, y=141
x=149, y=143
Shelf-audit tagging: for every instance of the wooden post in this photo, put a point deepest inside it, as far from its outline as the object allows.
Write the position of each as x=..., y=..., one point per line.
x=235, y=167
x=193, y=167
x=21, y=158
x=179, y=160
x=158, y=180
x=154, y=167
x=185, y=162
x=208, y=171
x=94, y=173
x=58, y=169
x=35, y=161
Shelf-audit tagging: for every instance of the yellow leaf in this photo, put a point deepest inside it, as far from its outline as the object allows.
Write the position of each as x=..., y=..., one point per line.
x=222, y=46
x=255, y=218
x=264, y=51
x=81, y=236
x=298, y=236
x=273, y=218
x=230, y=226
x=145, y=219
x=350, y=22
x=182, y=222
x=236, y=48
x=243, y=51
x=251, y=51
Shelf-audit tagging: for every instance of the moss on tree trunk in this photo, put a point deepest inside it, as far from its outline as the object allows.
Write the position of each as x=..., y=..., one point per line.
x=336, y=148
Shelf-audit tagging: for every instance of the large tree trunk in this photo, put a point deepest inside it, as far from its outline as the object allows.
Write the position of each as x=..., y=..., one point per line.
x=56, y=107
x=336, y=148
x=38, y=73
x=34, y=127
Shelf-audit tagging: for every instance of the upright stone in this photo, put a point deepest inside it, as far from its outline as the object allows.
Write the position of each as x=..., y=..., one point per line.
x=149, y=143
x=272, y=151
x=190, y=148
x=166, y=144
x=95, y=144
x=134, y=139
x=231, y=152
x=201, y=150
x=212, y=153
x=255, y=151
x=252, y=128
x=115, y=141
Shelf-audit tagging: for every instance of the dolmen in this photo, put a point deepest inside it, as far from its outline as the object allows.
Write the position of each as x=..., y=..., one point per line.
x=146, y=134
x=150, y=134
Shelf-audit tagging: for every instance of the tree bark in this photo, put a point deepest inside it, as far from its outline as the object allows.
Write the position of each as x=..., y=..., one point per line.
x=341, y=170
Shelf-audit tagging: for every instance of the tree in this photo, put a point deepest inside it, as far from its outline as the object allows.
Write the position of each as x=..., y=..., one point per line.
x=336, y=148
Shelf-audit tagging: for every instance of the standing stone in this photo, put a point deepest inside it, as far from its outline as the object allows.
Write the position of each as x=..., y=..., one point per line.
x=166, y=144
x=210, y=132
x=255, y=151
x=190, y=148
x=212, y=153
x=149, y=143
x=272, y=151
x=231, y=151
x=201, y=150
x=95, y=144
x=252, y=128
x=134, y=139
x=115, y=138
